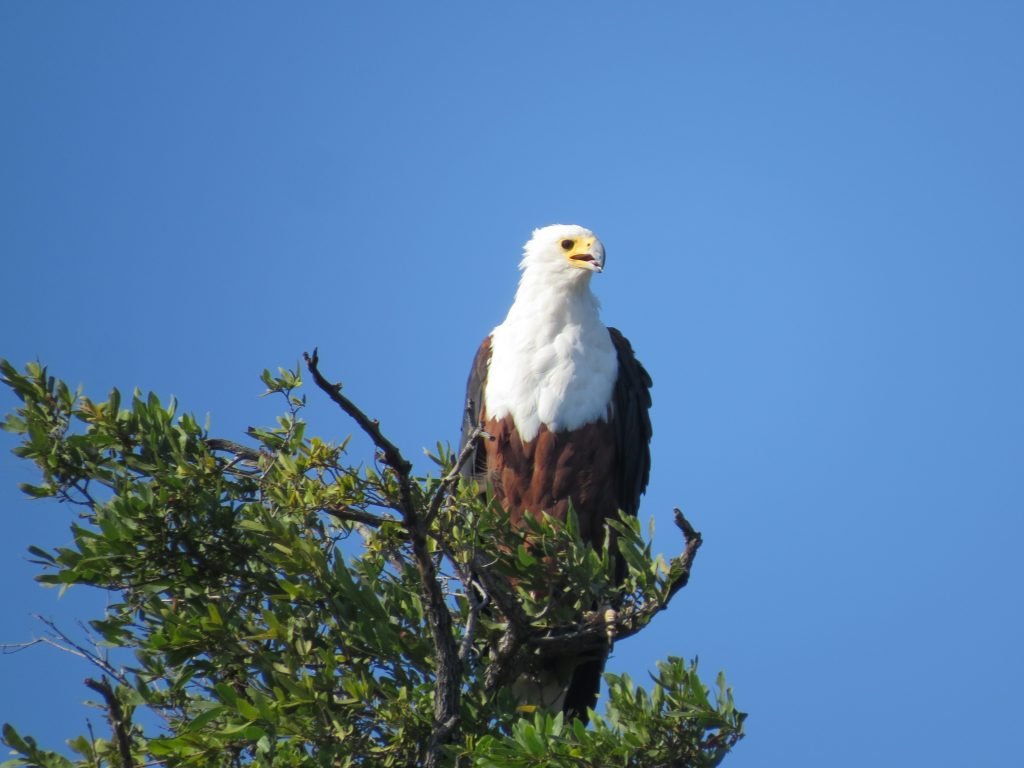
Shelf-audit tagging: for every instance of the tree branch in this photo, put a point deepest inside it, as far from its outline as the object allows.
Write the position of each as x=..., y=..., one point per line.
x=517, y=631
x=449, y=666
x=120, y=724
x=592, y=633
x=75, y=649
x=693, y=541
x=243, y=452
x=476, y=604
x=355, y=515
x=392, y=456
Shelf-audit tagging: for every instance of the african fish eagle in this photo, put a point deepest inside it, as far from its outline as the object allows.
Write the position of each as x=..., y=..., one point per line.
x=564, y=404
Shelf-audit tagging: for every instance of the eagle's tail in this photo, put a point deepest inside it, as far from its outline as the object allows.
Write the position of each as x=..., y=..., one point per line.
x=563, y=684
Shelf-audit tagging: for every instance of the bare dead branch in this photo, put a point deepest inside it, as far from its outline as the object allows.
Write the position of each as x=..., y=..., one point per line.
x=392, y=456
x=10, y=648
x=439, y=618
x=75, y=649
x=592, y=633
x=685, y=561
x=120, y=724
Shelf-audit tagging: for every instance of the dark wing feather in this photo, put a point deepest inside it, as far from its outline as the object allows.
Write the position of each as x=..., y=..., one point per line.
x=631, y=403
x=473, y=408
x=631, y=414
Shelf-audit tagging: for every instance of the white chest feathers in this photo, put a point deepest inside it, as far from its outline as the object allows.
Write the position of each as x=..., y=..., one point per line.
x=553, y=367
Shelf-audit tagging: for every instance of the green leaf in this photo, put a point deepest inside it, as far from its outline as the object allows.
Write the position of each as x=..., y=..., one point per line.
x=531, y=740
x=247, y=710
x=526, y=560
x=37, y=491
x=211, y=714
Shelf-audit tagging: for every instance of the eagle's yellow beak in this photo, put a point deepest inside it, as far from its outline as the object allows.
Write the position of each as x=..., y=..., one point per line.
x=584, y=252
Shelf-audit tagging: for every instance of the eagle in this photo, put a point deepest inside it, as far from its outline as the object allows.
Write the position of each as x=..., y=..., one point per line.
x=564, y=407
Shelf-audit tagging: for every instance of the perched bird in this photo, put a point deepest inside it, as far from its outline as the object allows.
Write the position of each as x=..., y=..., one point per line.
x=564, y=404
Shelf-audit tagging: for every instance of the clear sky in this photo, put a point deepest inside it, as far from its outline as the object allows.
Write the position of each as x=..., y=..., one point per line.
x=813, y=219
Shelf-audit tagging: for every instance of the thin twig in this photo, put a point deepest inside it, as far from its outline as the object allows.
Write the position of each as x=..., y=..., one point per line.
x=9, y=648
x=355, y=515
x=448, y=481
x=77, y=650
x=84, y=490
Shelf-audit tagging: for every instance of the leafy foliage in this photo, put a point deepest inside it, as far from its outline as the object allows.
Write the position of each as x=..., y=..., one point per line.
x=280, y=606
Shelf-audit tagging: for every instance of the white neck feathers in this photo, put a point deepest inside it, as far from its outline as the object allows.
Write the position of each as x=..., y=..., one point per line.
x=552, y=360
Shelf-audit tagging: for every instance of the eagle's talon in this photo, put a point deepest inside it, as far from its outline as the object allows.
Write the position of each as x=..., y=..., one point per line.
x=611, y=616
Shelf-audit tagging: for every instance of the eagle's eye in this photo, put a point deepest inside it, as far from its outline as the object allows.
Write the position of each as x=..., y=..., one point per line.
x=567, y=245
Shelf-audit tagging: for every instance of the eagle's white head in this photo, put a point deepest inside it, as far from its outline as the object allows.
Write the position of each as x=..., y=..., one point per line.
x=566, y=251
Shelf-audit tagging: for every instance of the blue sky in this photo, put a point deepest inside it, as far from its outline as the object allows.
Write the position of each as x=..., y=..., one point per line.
x=812, y=213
